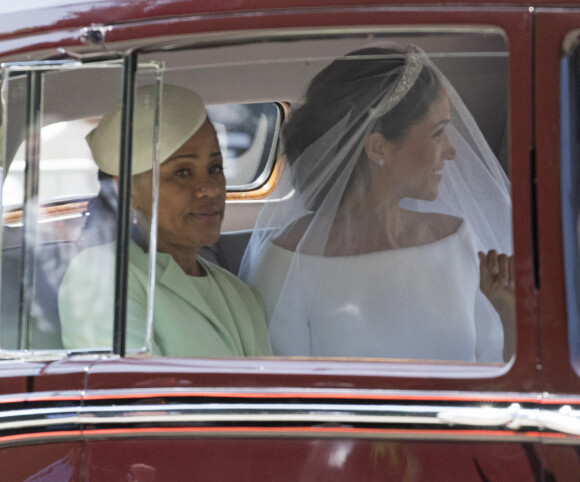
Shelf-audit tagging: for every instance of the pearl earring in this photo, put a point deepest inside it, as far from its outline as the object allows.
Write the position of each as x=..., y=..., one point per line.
x=381, y=162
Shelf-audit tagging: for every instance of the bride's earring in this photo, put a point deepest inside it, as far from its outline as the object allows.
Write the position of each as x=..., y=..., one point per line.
x=134, y=218
x=381, y=162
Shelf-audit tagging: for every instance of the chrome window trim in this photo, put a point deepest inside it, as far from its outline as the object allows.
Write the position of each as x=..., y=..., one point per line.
x=442, y=419
x=238, y=37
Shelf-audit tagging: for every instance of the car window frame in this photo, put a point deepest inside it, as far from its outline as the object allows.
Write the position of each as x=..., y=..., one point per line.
x=356, y=365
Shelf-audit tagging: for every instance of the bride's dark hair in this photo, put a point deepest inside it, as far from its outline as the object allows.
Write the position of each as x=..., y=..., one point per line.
x=346, y=90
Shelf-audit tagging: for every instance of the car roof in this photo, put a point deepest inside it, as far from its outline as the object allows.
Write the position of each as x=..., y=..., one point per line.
x=35, y=16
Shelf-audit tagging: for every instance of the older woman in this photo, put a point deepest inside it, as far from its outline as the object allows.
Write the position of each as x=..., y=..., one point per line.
x=199, y=309
x=376, y=255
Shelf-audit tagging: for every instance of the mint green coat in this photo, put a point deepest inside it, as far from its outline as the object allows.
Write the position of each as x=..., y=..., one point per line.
x=212, y=316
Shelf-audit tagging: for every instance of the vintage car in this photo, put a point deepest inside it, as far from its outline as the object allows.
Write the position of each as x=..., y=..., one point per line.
x=109, y=413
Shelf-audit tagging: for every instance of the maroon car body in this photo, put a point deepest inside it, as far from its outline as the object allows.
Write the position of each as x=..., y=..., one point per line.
x=108, y=417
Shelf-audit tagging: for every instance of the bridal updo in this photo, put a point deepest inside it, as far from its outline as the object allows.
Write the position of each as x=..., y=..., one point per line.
x=344, y=94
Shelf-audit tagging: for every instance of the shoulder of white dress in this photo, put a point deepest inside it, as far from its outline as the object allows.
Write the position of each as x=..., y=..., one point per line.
x=271, y=246
x=467, y=238
x=465, y=231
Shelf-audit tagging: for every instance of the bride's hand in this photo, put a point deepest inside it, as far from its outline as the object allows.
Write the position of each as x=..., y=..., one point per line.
x=496, y=280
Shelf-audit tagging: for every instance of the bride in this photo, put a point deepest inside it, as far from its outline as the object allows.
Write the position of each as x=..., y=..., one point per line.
x=389, y=247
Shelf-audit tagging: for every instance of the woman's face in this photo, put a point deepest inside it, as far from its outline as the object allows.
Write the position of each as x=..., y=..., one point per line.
x=192, y=193
x=416, y=162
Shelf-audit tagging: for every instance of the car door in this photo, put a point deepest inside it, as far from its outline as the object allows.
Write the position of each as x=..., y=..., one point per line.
x=105, y=414
x=556, y=160
x=292, y=418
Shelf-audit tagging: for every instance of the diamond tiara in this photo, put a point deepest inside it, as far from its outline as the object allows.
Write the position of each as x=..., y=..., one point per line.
x=413, y=67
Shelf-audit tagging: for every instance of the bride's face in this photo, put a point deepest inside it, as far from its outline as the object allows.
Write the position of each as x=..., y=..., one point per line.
x=416, y=162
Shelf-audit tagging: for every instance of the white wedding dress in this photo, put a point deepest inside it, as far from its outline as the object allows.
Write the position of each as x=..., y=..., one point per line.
x=411, y=303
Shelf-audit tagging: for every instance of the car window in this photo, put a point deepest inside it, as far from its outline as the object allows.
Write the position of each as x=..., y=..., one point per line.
x=44, y=210
x=477, y=70
x=249, y=104
x=248, y=135
x=570, y=177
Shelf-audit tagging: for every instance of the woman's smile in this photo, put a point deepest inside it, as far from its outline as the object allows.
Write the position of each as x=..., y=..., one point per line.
x=437, y=174
x=211, y=213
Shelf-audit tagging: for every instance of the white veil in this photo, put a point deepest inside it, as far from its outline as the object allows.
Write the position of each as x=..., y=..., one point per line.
x=371, y=90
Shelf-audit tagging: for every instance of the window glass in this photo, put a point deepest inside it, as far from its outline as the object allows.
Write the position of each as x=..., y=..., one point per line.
x=247, y=137
x=570, y=178
x=77, y=208
x=68, y=171
x=95, y=316
x=45, y=217
x=361, y=243
x=336, y=278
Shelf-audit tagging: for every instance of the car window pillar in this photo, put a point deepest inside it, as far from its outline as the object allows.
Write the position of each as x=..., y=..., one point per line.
x=30, y=206
x=124, y=205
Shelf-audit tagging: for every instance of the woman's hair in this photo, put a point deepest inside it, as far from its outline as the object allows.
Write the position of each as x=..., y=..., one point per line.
x=345, y=91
